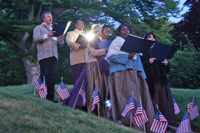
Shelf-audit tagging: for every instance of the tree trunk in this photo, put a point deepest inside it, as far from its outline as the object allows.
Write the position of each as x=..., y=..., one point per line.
x=32, y=70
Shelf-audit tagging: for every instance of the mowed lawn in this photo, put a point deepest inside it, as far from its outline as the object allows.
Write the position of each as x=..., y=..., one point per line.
x=20, y=111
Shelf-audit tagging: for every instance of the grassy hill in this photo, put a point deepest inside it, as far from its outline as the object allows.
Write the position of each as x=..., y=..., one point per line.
x=20, y=111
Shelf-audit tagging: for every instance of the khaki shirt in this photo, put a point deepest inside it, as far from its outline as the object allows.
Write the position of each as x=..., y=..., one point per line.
x=77, y=55
x=46, y=46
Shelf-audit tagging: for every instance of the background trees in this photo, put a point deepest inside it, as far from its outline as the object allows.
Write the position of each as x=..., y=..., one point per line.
x=19, y=17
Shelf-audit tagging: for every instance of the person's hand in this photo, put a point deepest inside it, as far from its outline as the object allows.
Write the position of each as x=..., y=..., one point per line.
x=61, y=38
x=131, y=55
x=165, y=62
x=151, y=60
x=51, y=33
x=106, y=50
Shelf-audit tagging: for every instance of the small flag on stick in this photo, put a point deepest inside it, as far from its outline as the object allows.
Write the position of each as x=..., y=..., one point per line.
x=176, y=107
x=159, y=123
x=43, y=90
x=129, y=106
x=193, y=108
x=140, y=116
x=96, y=99
x=184, y=126
x=82, y=92
x=62, y=91
x=38, y=82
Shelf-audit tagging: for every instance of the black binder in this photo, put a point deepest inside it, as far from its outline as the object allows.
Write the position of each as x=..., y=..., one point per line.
x=136, y=44
x=60, y=29
x=82, y=41
x=162, y=51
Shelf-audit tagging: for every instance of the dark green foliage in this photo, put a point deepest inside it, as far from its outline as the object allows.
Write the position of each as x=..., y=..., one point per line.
x=64, y=67
x=15, y=74
x=185, y=70
x=188, y=29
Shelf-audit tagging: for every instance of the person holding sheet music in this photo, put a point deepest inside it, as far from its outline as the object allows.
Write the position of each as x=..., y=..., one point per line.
x=97, y=68
x=47, y=52
x=78, y=52
x=126, y=80
x=156, y=73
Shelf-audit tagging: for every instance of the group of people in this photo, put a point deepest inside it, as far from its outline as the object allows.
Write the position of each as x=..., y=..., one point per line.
x=116, y=77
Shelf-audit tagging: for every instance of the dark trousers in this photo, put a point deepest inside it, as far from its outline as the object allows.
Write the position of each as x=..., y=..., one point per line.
x=76, y=71
x=48, y=68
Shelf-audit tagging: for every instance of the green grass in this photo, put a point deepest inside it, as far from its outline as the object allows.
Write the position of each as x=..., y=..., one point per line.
x=183, y=97
x=20, y=112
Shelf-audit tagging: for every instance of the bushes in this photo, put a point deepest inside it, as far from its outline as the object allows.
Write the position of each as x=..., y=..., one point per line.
x=185, y=70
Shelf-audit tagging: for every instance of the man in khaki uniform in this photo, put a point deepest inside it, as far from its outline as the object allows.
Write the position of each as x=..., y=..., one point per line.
x=78, y=53
x=47, y=52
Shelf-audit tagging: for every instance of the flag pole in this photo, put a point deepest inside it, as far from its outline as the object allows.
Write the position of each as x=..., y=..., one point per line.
x=98, y=110
x=89, y=93
x=161, y=122
x=192, y=105
x=44, y=86
x=142, y=114
x=131, y=121
x=34, y=91
x=78, y=94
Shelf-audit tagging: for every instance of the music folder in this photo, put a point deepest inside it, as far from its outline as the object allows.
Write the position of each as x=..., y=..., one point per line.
x=162, y=51
x=60, y=29
x=136, y=44
x=104, y=44
x=82, y=41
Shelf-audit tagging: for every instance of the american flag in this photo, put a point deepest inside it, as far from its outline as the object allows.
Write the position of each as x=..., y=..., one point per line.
x=42, y=90
x=184, y=126
x=129, y=106
x=62, y=91
x=38, y=82
x=176, y=107
x=140, y=116
x=95, y=88
x=82, y=92
x=193, y=109
x=96, y=99
x=159, y=123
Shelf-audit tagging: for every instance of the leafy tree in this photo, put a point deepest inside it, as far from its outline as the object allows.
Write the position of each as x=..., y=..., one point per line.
x=19, y=17
x=134, y=12
x=188, y=29
x=185, y=70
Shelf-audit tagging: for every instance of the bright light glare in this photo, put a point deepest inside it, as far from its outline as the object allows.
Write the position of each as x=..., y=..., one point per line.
x=89, y=35
x=108, y=103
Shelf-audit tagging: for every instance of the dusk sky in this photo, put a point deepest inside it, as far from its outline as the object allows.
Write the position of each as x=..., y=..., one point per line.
x=185, y=9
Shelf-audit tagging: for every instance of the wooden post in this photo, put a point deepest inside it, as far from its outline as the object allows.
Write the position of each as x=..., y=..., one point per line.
x=98, y=110
x=58, y=100
x=78, y=94
x=142, y=114
x=34, y=91
x=92, y=77
x=44, y=86
x=131, y=118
